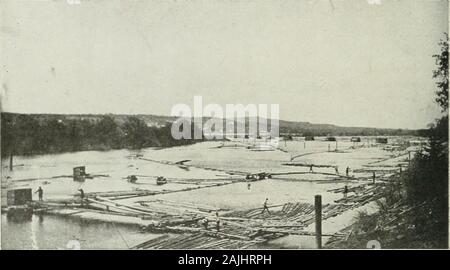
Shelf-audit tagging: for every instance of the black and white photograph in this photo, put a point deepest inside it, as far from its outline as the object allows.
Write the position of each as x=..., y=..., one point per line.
x=224, y=125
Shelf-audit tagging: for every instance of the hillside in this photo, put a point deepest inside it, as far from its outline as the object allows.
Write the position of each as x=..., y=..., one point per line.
x=298, y=128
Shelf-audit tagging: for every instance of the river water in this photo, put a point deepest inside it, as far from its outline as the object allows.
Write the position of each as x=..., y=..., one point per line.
x=52, y=232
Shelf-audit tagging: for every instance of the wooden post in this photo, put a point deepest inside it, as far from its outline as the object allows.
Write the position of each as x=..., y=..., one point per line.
x=318, y=205
x=336, y=146
x=11, y=162
x=409, y=157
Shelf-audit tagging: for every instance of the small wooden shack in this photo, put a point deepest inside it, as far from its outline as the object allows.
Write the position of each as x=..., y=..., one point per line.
x=330, y=139
x=309, y=138
x=19, y=196
x=79, y=173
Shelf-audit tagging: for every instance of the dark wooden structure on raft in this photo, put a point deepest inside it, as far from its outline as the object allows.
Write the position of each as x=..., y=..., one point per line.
x=19, y=196
x=381, y=140
x=132, y=178
x=79, y=173
x=161, y=180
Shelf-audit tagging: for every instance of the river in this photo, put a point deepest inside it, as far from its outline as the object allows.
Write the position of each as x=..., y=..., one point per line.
x=52, y=232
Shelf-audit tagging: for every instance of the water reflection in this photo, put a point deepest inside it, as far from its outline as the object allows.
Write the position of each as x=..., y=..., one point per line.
x=53, y=232
x=19, y=215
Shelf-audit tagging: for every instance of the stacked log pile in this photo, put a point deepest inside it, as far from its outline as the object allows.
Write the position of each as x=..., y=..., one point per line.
x=246, y=227
x=194, y=241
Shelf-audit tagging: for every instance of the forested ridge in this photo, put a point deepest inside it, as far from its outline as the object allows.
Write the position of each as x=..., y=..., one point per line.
x=25, y=134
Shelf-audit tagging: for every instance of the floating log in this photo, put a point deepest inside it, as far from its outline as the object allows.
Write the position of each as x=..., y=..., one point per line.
x=307, y=165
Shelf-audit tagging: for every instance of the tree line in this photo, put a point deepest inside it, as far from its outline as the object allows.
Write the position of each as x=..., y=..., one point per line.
x=427, y=180
x=24, y=134
x=423, y=188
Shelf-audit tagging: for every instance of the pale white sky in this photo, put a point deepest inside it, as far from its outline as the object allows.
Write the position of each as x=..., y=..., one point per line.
x=339, y=62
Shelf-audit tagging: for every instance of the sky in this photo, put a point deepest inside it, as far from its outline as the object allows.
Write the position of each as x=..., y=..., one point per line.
x=349, y=63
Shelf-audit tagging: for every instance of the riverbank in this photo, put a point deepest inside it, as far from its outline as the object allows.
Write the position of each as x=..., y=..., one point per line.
x=398, y=223
x=390, y=229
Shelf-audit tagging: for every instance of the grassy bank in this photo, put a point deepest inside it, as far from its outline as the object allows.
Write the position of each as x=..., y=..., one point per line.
x=393, y=228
